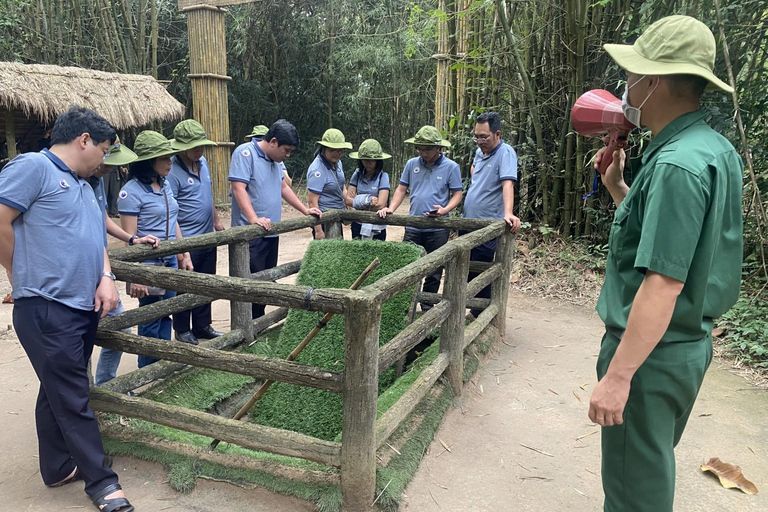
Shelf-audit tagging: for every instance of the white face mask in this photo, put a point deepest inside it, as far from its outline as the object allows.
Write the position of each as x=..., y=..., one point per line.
x=633, y=114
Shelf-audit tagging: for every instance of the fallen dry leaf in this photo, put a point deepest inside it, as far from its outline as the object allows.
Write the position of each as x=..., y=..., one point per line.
x=577, y=396
x=730, y=475
x=444, y=445
x=716, y=333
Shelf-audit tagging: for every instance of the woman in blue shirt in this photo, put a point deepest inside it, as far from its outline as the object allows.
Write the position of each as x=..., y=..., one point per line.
x=147, y=207
x=325, y=176
x=368, y=188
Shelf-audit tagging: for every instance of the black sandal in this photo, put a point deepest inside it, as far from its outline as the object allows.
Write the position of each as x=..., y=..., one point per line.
x=113, y=504
x=77, y=476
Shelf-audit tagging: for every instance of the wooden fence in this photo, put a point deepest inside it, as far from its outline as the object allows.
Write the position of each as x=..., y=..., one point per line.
x=364, y=359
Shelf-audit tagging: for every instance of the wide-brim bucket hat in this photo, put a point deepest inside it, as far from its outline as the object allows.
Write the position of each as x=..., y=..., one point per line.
x=119, y=154
x=190, y=134
x=428, y=136
x=258, y=131
x=334, y=139
x=150, y=144
x=675, y=45
x=369, y=149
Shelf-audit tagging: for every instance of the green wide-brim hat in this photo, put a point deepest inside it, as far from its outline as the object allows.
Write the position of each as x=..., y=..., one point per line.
x=334, y=139
x=150, y=144
x=119, y=155
x=369, y=149
x=675, y=45
x=258, y=131
x=190, y=134
x=428, y=136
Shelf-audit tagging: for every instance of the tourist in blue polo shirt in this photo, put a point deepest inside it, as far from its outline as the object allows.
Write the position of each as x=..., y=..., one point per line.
x=258, y=133
x=52, y=243
x=147, y=207
x=434, y=181
x=258, y=189
x=368, y=187
x=325, y=177
x=492, y=192
x=190, y=181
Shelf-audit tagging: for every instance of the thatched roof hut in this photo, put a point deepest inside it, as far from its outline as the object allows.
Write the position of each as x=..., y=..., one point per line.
x=33, y=95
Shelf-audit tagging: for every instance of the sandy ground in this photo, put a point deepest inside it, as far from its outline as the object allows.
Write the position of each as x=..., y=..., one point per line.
x=519, y=437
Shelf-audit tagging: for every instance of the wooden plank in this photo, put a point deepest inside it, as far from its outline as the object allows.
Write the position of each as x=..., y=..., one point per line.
x=247, y=435
x=243, y=364
x=505, y=251
x=473, y=330
x=361, y=382
x=412, y=335
x=484, y=279
x=435, y=298
x=240, y=313
x=415, y=221
x=452, y=330
x=396, y=414
x=161, y=369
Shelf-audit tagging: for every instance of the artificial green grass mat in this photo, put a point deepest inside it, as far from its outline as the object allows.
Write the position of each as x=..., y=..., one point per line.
x=332, y=264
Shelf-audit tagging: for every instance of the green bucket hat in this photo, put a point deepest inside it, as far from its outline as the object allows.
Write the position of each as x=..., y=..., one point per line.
x=370, y=149
x=150, y=144
x=119, y=155
x=428, y=136
x=258, y=131
x=334, y=139
x=675, y=45
x=190, y=134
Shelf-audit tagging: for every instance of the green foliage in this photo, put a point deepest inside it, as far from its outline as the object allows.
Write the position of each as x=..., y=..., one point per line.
x=331, y=264
x=746, y=330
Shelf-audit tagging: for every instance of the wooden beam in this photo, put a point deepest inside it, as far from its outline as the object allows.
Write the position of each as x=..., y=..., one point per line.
x=505, y=250
x=452, y=330
x=239, y=266
x=435, y=298
x=473, y=330
x=415, y=221
x=484, y=279
x=412, y=335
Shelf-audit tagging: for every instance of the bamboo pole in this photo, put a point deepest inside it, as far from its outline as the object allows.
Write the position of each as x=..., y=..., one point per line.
x=10, y=135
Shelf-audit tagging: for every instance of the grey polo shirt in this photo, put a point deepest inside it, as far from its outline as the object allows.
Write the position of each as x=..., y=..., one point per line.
x=430, y=185
x=194, y=193
x=264, y=183
x=485, y=198
x=156, y=210
x=101, y=198
x=58, y=252
x=328, y=181
x=379, y=181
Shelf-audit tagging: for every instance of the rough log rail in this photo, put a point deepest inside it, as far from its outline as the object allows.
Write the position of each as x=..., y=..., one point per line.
x=412, y=335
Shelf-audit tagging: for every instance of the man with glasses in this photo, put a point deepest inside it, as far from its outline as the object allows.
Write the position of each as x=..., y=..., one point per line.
x=434, y=182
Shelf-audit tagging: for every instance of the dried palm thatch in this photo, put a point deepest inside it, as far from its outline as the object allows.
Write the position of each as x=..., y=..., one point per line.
x=45, y=91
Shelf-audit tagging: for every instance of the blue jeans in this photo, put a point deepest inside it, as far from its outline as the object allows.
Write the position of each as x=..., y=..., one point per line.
x=109, y=359
x=160, y=328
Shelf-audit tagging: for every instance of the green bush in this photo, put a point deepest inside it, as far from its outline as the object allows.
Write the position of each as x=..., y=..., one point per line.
x=331, y=264
x=746, y=330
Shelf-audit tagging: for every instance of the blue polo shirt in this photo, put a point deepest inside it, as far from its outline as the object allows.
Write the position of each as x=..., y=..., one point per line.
x=379, y=181
x=101, y=198
x=149, y=206
x=264, y=183
x=430, y=184
x=58, y=252
x=485, y=198
x=194, y=193
x=328, y=181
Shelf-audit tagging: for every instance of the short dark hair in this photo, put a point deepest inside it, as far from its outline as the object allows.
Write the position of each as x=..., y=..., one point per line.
x=379, y=166
x=493, y=120
x=284, y=132
x=687, y=86
x=144, y=170
x=77, y=121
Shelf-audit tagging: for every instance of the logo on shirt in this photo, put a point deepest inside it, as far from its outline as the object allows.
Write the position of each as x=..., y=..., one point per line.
x=416, y=170
x=63, y=183
x=246, y=152
x=317, y=174
x=123, y=194
x=190, y=181
x=439, y=177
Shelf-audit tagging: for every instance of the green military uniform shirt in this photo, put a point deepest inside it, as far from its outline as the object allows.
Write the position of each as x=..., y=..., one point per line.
x=681, y=218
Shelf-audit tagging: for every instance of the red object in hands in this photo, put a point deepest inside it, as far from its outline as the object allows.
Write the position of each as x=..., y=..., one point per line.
x=597, y=113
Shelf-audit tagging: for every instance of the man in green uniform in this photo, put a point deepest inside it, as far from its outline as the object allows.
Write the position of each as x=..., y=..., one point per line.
x=674, y=263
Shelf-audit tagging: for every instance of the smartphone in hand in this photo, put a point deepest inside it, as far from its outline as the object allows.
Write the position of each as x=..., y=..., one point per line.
x=431, y=212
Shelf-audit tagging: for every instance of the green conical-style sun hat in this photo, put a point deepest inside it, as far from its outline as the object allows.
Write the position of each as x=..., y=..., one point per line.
x=258, y=131
x=150, y=144
x=370, y=149
x=119, y=155
x=334, y=139
x=675, y=45
x=428, y=136
x=190, y=134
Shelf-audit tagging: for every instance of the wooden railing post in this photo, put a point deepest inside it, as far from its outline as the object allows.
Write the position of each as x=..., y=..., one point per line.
x=334, y=230
x=500, y=290
x=361, y=382
x=239, y=266
x=452, y=330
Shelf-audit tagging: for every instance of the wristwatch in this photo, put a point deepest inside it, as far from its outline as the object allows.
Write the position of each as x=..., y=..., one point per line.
x=132, y=239
x=109, y=275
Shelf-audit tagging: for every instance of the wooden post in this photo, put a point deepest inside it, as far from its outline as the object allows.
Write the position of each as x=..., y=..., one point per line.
x=334, y=230
x=10, y=135
x=500, y=290
x=239, y=266
x=362, y=317
x=452, y=330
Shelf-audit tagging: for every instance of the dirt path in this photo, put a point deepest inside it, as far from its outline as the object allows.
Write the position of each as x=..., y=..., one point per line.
x=525, y=393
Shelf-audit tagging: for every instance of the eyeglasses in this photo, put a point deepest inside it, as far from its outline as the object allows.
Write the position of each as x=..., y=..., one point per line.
x=425, y=149
x=481, y=138
x=336, y=151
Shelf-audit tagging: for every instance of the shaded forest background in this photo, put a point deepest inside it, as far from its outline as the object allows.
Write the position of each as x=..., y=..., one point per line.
x=370, y=68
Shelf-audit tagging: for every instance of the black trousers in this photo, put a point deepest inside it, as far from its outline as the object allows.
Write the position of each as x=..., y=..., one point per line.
x=204, y=262
x=59, y=341
x=263, y=256
x=356, y=226
x=486, y=253
x=430, y=241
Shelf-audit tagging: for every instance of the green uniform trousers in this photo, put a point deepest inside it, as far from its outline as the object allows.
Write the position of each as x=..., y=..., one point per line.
x=638, y=463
